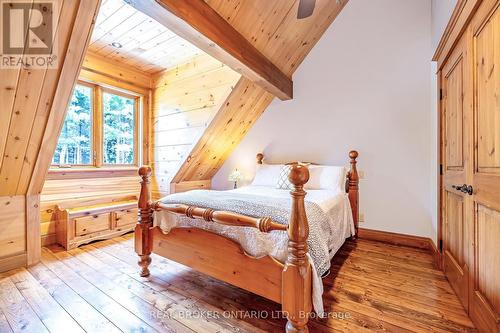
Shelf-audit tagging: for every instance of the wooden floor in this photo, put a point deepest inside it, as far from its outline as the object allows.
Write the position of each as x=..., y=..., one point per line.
x=373, y=287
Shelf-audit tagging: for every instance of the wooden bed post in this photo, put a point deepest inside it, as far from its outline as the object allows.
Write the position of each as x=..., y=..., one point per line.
x=353, y=189
x=297, y=275
x=144, y=223
x=260, y=157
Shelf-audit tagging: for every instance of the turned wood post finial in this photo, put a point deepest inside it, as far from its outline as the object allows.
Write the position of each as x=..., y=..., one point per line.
x=297, y=274
x=353, y=154
x=144, y=222
x=353, y=189
x=298, y=176
x=260, y=157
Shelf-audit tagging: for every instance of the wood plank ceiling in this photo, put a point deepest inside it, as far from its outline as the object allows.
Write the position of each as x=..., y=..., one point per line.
x=132, y=38
x=273, y=28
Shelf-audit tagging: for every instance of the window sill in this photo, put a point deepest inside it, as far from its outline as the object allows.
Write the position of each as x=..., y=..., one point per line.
x=91, y=172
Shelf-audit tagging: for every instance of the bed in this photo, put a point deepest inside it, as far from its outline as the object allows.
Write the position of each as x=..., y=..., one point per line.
x=272, y=242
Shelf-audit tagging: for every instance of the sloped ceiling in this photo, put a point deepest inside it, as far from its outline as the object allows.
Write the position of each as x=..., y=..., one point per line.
x=273, y=28
x=33, y=102
x=32, y=107
x=126, y=35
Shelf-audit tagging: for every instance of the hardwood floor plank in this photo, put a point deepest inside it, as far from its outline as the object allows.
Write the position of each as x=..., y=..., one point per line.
x=52, y=315
x=90, y=319
x=157, y=319
x=121, y=317
x=158, y=300
x=4, y=324
x=373, y=287
x=16, y=309
x=423, y=314
x=174, y=283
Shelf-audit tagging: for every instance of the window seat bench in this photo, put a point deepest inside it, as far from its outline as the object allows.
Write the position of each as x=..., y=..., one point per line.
x=81, y=225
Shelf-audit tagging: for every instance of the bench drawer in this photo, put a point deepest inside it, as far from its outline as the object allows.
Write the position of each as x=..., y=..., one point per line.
x=89, y=224
x=126, y=217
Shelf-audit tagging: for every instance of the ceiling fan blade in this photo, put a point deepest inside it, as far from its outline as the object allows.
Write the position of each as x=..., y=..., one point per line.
x=306, y=8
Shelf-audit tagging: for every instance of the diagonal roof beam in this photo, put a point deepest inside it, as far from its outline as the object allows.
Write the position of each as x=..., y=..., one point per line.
x=202, y=26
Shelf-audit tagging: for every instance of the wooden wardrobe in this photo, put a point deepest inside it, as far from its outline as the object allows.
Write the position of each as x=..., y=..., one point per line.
x=469, y=82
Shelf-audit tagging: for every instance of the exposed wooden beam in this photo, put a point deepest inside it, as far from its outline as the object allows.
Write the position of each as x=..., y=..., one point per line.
x=199, y=24
x=289, y=43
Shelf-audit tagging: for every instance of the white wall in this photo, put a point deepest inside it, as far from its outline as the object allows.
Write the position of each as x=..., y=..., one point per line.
x=364, y=86
x=440, y=14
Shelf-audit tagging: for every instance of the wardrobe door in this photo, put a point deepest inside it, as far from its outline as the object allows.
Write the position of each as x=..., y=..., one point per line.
x=485, y=289
x=456, y=120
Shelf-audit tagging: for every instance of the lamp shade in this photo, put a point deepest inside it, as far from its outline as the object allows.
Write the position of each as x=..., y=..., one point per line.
x=235, y=176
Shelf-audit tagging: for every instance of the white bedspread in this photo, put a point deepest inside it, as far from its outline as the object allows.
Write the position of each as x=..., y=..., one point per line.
x=333, y=203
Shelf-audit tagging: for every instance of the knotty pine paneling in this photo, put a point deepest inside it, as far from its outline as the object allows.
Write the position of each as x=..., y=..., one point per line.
x=12, y=226
x=68, y=189
x=32, y=102
x=185, y=99
x=70, y=193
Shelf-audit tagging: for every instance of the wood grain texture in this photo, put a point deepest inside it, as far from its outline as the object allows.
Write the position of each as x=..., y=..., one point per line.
x=484, y=305
x=237, y=114
x=33, y=238
x=78, y=38
x=12, y=226
x=462, y=14
x=144, y=44
x=418, y=242
x=273, y=28
x=402, y=293
x=202, y=26
x=469, y=140
x=70, y=188
x=457, y=227
x=81, y=192
x=185, y=99
x=188, y=246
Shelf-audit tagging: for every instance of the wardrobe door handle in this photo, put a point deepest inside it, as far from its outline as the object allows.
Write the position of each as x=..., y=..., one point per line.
x=469, y=190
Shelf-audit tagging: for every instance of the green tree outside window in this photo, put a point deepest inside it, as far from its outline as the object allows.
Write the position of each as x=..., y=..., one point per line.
x=75, y=142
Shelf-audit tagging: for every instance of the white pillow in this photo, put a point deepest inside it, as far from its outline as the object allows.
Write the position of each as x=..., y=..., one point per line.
x=266, y=175
x=326, y=177
x=283, y=181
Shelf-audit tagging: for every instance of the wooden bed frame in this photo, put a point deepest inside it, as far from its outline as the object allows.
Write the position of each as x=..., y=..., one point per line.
x=289, y=284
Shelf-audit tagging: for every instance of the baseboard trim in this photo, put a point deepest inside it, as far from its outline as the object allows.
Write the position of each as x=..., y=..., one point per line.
x=13, y=262
x=393, y=238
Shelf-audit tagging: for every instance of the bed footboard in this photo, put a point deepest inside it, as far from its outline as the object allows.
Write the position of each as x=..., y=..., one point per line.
x=296, y=295
x=296, y=277
x=142, y=234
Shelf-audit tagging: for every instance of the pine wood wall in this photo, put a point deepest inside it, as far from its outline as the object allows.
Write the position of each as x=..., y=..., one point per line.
x=185, y=100
x=68, y=189
x=32, y=100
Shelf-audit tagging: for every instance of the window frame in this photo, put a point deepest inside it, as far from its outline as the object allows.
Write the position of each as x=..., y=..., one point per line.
x=92, y=129
x=97, y=130
x=136, y=125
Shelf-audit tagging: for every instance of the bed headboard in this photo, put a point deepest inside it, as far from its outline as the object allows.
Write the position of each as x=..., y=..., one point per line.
x=351, y=185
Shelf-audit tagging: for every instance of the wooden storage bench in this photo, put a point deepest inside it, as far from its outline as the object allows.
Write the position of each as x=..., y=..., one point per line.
x=77, y=226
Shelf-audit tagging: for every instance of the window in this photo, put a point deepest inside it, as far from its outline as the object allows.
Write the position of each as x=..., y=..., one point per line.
x=119, y=129
x=100, y=129
x=75, y=142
